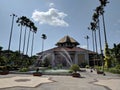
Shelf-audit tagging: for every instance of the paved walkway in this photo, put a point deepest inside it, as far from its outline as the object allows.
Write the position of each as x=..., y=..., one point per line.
x=87, y=82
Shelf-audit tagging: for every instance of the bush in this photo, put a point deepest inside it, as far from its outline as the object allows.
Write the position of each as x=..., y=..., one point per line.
x=59, y=66
x=114, y=70
x=23, y=70
x=70, y=71
x=83, y=65
x=75, y=68
x=87, y=66
x=117, y=67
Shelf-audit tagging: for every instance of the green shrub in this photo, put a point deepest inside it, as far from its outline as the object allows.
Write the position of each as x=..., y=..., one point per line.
x=70, y=71
x=114, y=70
x=59, y=66
x=87, y=66
x=83, y=65
x=75, y=68
x=117, y=67
x=23, y=70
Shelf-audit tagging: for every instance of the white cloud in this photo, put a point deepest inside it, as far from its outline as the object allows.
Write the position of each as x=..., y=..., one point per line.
x=51, y=5
x=52, y=17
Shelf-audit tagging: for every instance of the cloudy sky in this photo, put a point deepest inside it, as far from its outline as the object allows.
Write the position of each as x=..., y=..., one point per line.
x=56, y=19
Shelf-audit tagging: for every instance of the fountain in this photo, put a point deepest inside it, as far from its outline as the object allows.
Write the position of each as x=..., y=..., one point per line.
x=54, y=64
x=51, y=57
x=67, y=57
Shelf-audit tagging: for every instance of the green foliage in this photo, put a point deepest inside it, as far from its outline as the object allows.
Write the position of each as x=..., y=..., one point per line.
x=83, y=65
x=87, y=66
x=98, y=67
x=108, y=62
x=23, y=69
x=59, y=66
x=70, y=71
x=117, y=67
x=114, y=70
x=14, y=60
x=75, y=68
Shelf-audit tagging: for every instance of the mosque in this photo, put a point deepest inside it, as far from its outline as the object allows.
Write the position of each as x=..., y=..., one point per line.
x=67, y=52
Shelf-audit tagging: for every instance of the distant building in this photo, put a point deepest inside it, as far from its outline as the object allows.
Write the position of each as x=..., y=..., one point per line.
x=67, y=53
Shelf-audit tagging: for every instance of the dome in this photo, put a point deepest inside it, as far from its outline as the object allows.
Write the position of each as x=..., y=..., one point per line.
x=67, y=41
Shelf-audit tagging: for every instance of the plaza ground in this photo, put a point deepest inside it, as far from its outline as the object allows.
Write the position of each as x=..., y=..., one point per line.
x=88, y=81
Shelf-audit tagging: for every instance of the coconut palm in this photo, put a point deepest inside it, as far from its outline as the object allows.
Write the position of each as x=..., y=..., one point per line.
x=103, y=2
x=96, y=19
x=43, y=38
x=21, y=23
x=13, y=16
x=30, y=25
x=93, y=28
x=34, y=31
x=26, y=21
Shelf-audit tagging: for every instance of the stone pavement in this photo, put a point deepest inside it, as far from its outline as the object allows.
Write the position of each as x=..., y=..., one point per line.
x=87, y=82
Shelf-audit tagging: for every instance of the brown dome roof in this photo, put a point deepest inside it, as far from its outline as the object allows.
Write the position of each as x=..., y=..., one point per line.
x=67, y=39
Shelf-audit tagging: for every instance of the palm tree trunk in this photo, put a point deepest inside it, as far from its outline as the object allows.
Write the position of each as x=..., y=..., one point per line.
x=93, y=44
x=20, y=39
x=104, y=29
x=42, y=44
x=99, y=35
x=24, y=40
x=28, y=42
x=13, y=15
x=32, y=44
x=100, y=44
x=96, y=45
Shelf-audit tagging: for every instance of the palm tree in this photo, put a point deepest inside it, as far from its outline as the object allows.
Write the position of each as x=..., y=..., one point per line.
x=100, y=11
x=43, y=37
x=30, y=25
x=26, y=21
x=87, y=37
x=103, y=2
x=21, y=23
x=92, y=38
x=96, y=19
x=13, y=16
x=93, y=28
x=34, y=31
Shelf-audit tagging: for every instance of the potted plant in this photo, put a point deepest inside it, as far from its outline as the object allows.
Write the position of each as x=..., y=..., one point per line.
x=37, y=73
x=75, y=68
x=100, y=72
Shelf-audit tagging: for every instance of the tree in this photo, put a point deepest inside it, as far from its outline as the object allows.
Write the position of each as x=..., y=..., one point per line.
x=43, y=38
x=93, y=28
x=30, y=25
x=34, y=31
x=13, y=16
x=21, y=23
x=26, y=21
x=75, y=68
x=107, y=58
x=116, y=53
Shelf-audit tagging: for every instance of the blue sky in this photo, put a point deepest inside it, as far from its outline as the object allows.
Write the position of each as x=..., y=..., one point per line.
x=57, y=18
